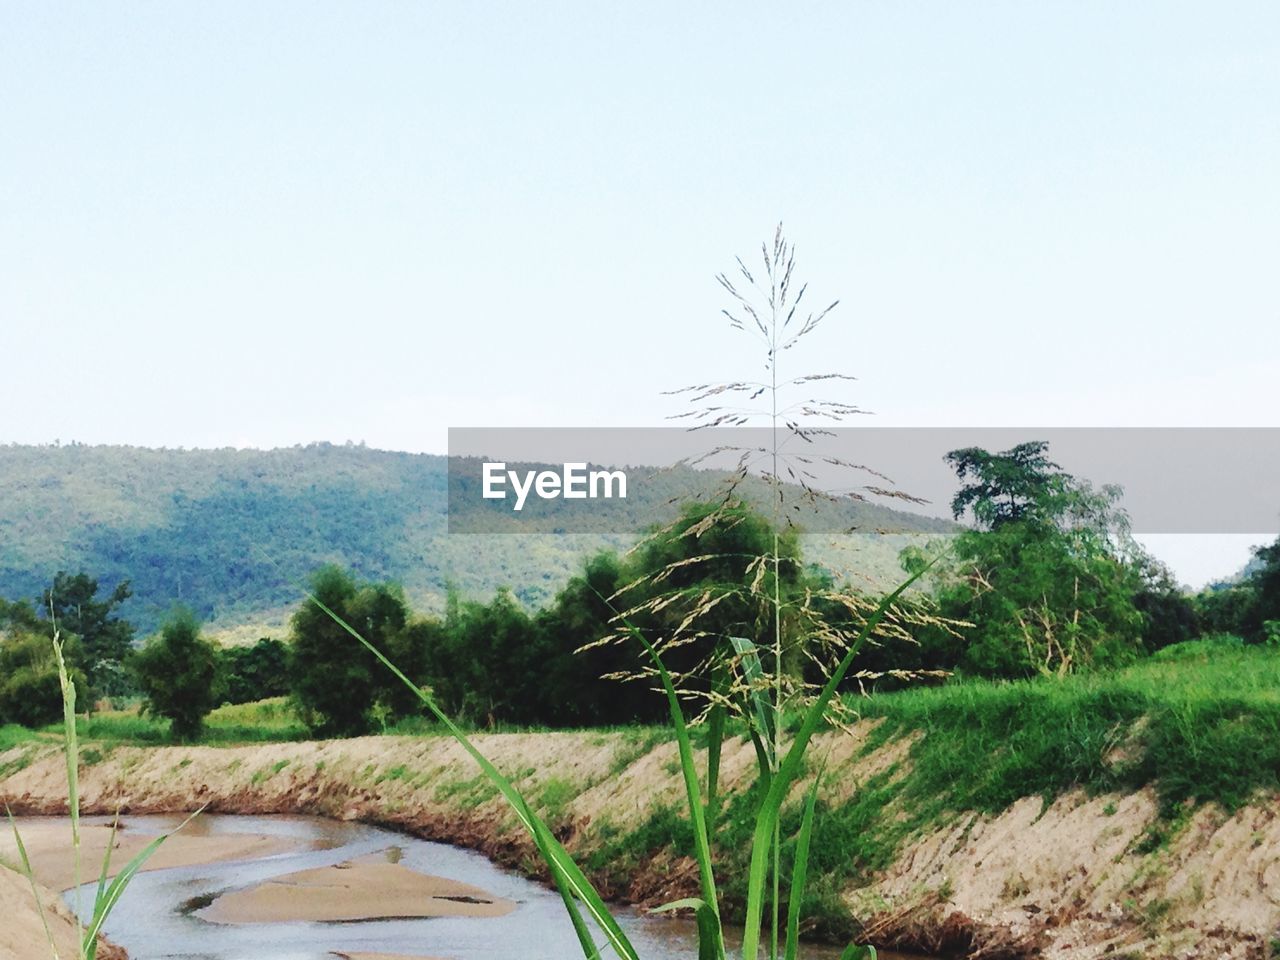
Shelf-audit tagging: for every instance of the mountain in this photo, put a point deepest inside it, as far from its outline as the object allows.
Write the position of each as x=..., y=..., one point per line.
x=230, y=532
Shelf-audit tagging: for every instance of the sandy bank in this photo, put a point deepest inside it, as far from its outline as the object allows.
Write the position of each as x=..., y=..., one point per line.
x=22, y=935
x=368, y=888
x=48, y=843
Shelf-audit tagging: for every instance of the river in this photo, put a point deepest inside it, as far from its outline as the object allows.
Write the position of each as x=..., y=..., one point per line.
x=155, y=919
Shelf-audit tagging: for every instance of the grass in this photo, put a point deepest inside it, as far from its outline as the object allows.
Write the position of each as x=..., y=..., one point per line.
x=1201, y=727
x=267, y=721
x=12, y=735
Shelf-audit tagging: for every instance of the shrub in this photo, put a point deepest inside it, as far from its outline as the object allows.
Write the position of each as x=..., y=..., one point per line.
x=30, y=693
x=254, y=673
x=336, y=692
x=177, y=673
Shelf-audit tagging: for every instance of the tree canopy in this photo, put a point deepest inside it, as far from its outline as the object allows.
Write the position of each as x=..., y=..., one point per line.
x=177, y=674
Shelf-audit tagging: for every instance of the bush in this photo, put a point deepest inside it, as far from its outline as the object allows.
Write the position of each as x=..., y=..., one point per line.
x=254, y=673
x=177, y=673
x=335, y=683
x=30, y=692
x=1215, y=644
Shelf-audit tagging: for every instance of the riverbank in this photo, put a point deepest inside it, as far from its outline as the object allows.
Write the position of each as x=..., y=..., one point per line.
x=1079, y=878
x=22, y=932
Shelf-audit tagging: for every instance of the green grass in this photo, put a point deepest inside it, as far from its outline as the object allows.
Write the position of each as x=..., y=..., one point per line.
x=266, y=721
x=12, y=735
x=1201, y=724
x=1204, y=727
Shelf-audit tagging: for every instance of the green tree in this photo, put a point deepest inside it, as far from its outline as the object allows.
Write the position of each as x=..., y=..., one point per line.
x=256, y=672
x=1017, y=484
x=30, y=692
x=1048, y=582
x=578, y=667
x=1169, y=614
x=177, y=674
x=489, y=666
x=1264, y=583
x=334, y=681
x=1245, y=604
x=105, y=638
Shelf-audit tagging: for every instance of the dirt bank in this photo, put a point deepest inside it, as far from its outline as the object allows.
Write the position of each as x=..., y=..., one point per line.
x=22, y=935
x=1080, y=879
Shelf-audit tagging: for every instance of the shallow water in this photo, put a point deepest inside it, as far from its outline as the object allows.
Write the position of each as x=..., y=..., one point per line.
x=153, y=919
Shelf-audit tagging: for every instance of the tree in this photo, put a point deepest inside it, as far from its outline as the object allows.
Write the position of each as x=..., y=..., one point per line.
x=105, y=639
x=336, y=682
x=488, y=666
x=1048, y=582
x=1170, y=616
x=579, y=668
x=1265, y=585
x=256, y=672
x=30, y=691
x=1006, y=487
x=177, y=674
x=1248, y=602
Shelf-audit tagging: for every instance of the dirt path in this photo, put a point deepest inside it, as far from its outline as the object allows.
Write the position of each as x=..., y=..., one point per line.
x=1074, y=881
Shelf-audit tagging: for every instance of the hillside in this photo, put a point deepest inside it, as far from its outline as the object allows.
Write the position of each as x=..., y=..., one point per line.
x=198, y=526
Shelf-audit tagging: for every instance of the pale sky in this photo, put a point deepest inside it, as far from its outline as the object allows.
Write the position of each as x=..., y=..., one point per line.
x=264, y=224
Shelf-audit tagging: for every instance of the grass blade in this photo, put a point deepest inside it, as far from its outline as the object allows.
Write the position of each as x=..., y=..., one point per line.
x=91, y=950
x=708, y=924
x=799, y=870
x=702, y=844
x=107, y=899
x=761, y=708
x=716, y=717
x=585, y=939
x=771, y=807
x=553, y=851
x=71, y=751
x=855, y=952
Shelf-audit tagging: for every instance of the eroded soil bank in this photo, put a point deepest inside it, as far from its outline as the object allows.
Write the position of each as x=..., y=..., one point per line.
x=22, y=932
x=1077, y=879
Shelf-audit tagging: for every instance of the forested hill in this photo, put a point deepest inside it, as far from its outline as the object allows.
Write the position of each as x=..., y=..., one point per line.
x=197, y=527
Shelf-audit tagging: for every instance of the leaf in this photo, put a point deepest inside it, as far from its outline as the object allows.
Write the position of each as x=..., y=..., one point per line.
x=715, y=744
x=761, y=709
x=107, y=898
x=702, y=845
x=855, y=952
x=799, y=870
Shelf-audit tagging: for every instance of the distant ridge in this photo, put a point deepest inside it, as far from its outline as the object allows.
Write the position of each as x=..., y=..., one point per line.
x=196, y=526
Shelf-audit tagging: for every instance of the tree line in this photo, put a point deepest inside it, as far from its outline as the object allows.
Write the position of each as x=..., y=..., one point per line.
x=1045, y=581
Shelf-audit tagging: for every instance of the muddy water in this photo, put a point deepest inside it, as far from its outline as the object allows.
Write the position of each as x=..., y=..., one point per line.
x=158, y=917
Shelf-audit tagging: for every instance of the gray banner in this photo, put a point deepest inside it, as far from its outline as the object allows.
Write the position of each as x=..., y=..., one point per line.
x=871, y=480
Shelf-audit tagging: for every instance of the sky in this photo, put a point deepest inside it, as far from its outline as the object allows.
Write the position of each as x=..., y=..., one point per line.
x=245, y=224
